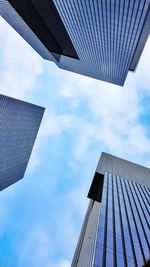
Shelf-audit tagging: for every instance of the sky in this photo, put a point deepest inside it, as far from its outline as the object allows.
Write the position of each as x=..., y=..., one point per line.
x=41, y=215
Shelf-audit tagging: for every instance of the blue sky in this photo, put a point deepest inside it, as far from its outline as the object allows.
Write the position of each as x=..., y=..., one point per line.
x=41, y=216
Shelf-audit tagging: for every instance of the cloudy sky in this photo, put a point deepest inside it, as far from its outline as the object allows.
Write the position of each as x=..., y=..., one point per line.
x=41, y=216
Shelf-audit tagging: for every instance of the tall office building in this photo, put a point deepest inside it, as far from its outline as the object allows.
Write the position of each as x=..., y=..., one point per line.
x=116, y=227
x=102, y=39
x=19, y=124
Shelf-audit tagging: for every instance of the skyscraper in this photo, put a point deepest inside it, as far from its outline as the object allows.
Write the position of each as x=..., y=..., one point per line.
x=100, y=39
x=116, y=227
x=19, y=124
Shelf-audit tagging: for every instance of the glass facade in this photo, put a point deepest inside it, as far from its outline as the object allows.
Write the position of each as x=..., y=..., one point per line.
x=124, y=225
x=19, y=124
x=106, y=37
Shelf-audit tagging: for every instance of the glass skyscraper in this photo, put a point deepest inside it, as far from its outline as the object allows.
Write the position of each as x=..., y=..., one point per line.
x=116, y=229
x=103, y=39
x=19, y=124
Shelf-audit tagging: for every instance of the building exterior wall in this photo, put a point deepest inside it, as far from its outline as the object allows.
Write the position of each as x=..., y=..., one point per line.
x=123, y=231
x=19, y=124
x=108, y=36
x=123, y=226
x=86, y=244
x=124, y=168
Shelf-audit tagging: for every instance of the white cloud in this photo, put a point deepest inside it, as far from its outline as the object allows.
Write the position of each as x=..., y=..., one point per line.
x=55, y=124
x=62, y=263
x=115, y=112
x=20, y=64
x=35, y=249
x=52, y=125
x=34, y=160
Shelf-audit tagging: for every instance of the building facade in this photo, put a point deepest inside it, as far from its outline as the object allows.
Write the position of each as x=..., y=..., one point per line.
x=19, y=124
x=116, y=227
x=100, y=39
